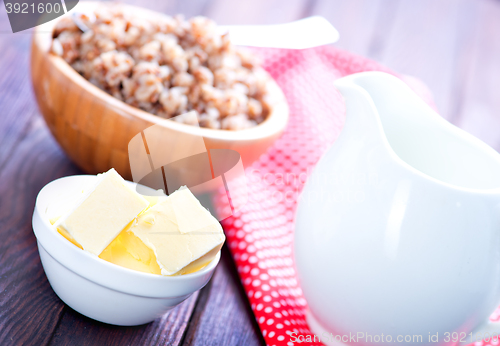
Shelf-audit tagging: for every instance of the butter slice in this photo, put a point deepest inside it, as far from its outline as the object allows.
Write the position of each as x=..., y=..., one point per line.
x=103, y=213
x=183, y=235
x=130, y=252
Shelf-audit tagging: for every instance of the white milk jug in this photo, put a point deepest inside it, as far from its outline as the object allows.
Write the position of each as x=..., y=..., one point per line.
x=397, y=238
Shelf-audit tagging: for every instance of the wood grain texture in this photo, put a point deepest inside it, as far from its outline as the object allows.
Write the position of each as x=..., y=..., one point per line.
x=425, y=42
x=15, y=89
x=347, y=16
x=14, y=86
x=242, y=12
x=75, y=329
x=189, y=8
x=222, y=315
x=478, y=101
x=420, y=38
x=450, y=45
x=29, y=309
x=29, y=158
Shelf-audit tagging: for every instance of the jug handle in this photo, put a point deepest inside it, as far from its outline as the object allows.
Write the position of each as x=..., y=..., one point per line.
x=488, y=330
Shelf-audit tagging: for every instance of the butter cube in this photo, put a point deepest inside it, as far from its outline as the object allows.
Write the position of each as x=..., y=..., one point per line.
x=128, y=251
x=102, y=213
x=183, y=235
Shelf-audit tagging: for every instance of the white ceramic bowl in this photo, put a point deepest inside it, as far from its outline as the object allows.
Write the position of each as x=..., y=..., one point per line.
x=96, y=288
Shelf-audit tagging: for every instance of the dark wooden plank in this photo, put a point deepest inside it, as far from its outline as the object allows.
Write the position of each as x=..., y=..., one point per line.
x=29, y=158
x=5, y=28
x=356, y=21
x=478, y=109
x=423, y=42
x=29, y=309
x=431, y=40
x=16, y=97
x=192, y=7
x=187, y=8
x=222, y=315
x=257, y=11
x=419, y=38
x=76, y=329
x=155, y=5
x=15, y=85
x=451, y=46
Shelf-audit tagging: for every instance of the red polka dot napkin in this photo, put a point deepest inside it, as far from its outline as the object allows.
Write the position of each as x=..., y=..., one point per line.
x=260, y=235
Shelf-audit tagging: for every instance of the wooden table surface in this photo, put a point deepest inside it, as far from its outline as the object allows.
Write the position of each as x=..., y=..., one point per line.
x=451, y=45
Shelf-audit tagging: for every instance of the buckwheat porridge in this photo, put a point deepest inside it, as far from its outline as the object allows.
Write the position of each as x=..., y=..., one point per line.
x=167, y=66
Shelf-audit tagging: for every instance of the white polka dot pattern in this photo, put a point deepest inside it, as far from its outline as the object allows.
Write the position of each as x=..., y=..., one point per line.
x=260, y=235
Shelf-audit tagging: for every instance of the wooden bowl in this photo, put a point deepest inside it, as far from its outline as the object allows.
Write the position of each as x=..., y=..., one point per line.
x=94, y=128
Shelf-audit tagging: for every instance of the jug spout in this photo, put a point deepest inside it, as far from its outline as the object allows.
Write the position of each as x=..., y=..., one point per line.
x=382, y=109
x=362, y=118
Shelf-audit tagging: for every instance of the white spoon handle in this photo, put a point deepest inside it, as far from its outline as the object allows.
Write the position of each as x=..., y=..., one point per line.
x=304, y=33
